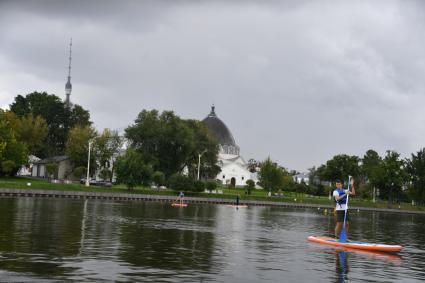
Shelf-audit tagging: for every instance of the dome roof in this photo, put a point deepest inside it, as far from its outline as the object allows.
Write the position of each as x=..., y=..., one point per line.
x=219, y=129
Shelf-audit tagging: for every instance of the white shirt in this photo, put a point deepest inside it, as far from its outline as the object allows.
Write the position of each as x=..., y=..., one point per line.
x=339, y=206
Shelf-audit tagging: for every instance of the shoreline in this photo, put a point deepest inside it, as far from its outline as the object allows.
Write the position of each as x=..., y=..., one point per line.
x=4, y=192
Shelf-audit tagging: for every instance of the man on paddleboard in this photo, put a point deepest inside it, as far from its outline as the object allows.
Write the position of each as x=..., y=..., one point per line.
x=180, y=198
x=340, y=195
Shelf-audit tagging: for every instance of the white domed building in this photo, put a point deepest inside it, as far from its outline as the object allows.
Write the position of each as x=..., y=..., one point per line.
x=234, y=169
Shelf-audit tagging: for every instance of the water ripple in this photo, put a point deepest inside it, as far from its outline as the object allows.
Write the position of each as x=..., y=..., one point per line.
x=56, y=240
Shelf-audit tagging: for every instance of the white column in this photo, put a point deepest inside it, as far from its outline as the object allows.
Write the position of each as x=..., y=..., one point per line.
x=88, y=166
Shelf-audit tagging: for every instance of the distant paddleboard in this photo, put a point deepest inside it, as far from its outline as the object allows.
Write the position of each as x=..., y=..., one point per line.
x=179, y=204
x=355, y=244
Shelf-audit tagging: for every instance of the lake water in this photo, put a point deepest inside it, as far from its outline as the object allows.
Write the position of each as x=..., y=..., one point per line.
x=56, y=240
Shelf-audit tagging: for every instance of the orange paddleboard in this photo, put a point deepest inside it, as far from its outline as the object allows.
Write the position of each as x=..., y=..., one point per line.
x=179, y=204
x=237, y=206
x=355, y=244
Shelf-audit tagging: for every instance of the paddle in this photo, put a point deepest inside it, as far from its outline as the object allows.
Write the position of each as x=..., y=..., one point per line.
x=343, y=234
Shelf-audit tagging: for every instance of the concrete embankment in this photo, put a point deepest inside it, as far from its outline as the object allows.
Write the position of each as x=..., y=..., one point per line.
x=161, y=198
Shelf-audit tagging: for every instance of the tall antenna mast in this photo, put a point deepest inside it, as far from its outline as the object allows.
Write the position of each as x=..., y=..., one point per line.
x=68, y=85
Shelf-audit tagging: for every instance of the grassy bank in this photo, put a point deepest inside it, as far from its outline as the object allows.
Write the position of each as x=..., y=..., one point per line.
x=261, y=195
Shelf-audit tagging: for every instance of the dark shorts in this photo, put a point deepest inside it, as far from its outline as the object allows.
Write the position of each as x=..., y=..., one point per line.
x=340, y=216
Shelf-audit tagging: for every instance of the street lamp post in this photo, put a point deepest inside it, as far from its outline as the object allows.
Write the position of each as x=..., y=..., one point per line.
x=199, y=161
x=88, y=166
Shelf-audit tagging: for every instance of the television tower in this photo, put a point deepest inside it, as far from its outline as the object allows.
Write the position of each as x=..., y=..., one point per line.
x=68, y=85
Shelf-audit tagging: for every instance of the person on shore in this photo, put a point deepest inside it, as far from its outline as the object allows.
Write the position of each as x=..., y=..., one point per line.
x=238, y=197
x=340, y=194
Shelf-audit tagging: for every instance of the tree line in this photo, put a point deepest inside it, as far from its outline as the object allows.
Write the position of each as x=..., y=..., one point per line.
x=161, y=147
x=388, y=177
x=42, y=125
x=391, y=177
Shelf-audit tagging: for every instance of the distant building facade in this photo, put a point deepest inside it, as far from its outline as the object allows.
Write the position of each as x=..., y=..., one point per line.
x=302, y=178
x=64, y=167
x=26, y=170
x=234, y=169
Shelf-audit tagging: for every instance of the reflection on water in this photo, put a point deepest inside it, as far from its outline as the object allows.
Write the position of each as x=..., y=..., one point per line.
x=342, y=266
x=55, y=240
x=342, y=260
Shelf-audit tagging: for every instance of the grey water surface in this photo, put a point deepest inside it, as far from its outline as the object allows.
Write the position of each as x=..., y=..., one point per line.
x=57, y=240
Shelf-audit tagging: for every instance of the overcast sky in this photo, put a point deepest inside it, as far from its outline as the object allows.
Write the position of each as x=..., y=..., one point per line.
x=300, y=81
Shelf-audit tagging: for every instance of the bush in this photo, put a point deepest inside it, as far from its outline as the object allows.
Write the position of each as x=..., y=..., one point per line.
x=198, y=186
x=7, y=167
x=179, y=182
x=211, y=185
x=292, y=187
x=316, y=190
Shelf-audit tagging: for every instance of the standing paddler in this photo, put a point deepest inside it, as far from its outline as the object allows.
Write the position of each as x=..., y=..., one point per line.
x=341, y=196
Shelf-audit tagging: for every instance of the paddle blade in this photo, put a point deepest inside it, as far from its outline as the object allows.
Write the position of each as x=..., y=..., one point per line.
x=343, y=235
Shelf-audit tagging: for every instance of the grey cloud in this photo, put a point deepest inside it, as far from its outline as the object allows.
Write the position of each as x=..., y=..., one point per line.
x=297, y=80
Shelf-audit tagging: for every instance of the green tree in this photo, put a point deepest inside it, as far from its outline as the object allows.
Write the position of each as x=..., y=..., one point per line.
x=79, y=171
x=7, y=167
x=105, y=174
x=107, y=145
x=271, y=176
x=158, y=178
x=415, y=167
x=10, y=148
x=371, y=170
x=77, y=146
x=78, y=116
x=171, y=144
x=339, y=167
x=203, y=143
x=59, y=118
x=250, y=186
x=392, y=176
x=52, y=169
x=32, y=131
x=163, y=140
x=132, y=170
x=371, y=163
x=313, y=176
x=315, y=187
x=288, y=180
x=323, y=176
x=27, y=129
